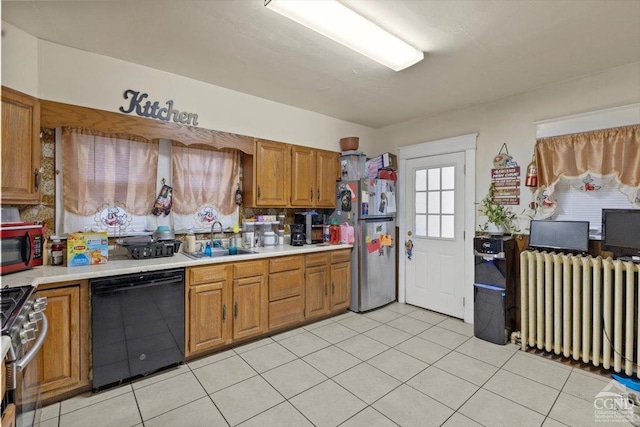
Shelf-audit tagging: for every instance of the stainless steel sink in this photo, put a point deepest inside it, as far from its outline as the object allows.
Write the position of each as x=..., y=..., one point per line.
x=218, y=253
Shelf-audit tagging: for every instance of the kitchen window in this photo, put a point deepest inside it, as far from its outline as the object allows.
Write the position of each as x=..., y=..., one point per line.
x=108, y=181
x=205, y=181
x=586, y=163
x=111, y=182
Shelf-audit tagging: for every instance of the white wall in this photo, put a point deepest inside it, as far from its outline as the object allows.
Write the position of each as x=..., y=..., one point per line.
x=19, y=60
x=511, y=120
x=82, y=78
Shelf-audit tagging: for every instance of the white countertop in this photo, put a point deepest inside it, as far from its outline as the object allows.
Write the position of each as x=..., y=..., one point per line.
x=54, y=274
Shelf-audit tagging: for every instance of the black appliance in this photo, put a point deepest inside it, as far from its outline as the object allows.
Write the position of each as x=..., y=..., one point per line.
x=297, y=234
x=565, y=236
x=313, y=226
x=621, y=233
x=24, y=322
x=138, y=325
x=495, y=308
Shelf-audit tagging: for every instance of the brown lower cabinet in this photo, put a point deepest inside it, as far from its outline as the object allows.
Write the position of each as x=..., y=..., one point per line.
x=286, y=291
x=340, y=280
x=317, y=284
x=225, y=302
x=327, y=282
x=236, y=301
x=208, y=307
x=64, y=357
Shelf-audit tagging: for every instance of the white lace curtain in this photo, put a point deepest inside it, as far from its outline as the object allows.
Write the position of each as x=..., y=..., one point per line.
x=101, y=169
x=204, y=176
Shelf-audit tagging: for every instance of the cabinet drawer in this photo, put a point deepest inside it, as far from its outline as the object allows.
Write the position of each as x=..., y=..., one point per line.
x=286, y=312
x=317, y=259
x=207, y=274
x=341, y=256
x=285, y=284
x=285, y=263
x=249, y=268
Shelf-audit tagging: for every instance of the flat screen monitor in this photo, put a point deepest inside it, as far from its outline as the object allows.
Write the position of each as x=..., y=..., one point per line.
x=621, y=231
x=568, y=236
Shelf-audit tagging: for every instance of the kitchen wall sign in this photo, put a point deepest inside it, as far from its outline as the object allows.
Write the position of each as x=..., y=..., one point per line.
x=505, y=178
x=152, y=110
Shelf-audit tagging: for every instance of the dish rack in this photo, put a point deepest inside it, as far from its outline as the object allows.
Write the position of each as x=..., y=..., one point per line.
x=163, y=248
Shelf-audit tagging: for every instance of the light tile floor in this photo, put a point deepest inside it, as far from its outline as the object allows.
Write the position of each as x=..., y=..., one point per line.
x=398, y=365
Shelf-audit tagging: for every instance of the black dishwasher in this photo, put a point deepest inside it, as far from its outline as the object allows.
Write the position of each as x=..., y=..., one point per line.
x=137, y=325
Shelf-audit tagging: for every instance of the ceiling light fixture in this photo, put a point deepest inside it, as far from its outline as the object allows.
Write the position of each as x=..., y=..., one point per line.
x=339, y=23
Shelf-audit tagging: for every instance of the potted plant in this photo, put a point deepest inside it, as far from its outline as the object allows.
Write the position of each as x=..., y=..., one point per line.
x=500, y=218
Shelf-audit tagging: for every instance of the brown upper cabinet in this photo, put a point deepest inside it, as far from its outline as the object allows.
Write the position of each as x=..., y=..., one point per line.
x=313, y=177
x=20, y=148
x=267, y=175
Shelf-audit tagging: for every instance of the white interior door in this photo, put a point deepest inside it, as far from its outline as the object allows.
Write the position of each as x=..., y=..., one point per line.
x=434, y=213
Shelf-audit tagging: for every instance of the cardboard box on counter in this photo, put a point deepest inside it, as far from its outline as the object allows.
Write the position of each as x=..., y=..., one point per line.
x=87, y=249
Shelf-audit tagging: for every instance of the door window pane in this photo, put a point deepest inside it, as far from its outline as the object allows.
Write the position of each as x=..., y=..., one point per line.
x=434, y=202
x=421, y=180
x=448, y=202
x=434, y=226
x=448, y=178
x=421, y=203
x=447, y=226
x=421, y=225
x=434, y=179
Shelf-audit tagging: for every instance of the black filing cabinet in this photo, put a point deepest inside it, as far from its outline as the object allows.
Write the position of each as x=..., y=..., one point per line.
x=494, y=290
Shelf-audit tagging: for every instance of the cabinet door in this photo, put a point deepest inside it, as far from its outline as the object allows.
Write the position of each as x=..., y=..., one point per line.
x=63, y=359
x=316, y=291
x=327, y=163
x=340, y=285
x=209, y=316
x=20, y=148
x=249, y=307
x=303, y=176
x=272, y=178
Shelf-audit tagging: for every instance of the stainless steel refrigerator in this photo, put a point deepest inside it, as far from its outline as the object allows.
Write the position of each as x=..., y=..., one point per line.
x=369, y=205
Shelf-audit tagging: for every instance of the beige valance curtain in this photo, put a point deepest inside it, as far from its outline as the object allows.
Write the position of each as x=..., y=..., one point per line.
x=613, y=151
x=204, y=176
x=101, y=169
x=607, y=153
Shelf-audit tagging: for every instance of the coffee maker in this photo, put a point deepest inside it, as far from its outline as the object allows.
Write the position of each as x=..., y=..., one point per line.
x=297, y=234
x=313, y=226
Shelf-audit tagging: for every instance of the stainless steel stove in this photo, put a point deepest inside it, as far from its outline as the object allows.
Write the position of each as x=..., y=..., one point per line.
x=24, y=322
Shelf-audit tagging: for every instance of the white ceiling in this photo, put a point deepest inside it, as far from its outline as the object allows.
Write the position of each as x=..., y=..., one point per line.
x=476, y=51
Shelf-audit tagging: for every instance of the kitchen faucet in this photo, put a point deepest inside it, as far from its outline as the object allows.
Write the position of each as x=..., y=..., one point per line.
x=213, y=243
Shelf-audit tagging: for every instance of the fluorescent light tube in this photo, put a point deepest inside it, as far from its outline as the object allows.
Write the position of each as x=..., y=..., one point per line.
x=339, y=23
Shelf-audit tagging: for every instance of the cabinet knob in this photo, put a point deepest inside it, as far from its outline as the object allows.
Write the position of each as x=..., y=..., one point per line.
x=333, y=288
x=36, y=181
x=224, y=312
x=258, y=191
x=326, y=289
x=311, y=193
x=318, y=198
x=235, y=310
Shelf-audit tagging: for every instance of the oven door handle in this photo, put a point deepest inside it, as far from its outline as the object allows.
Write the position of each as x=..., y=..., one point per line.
x=24, y=361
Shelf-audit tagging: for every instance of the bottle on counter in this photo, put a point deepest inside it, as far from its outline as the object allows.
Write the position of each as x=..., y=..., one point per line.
x=190, y=243
x=334, y=232
x=57, y=249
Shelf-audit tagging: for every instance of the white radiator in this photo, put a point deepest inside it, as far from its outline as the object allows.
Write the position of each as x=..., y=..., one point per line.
x=581, y=307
